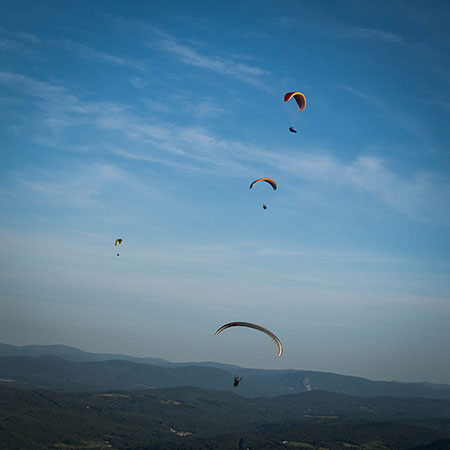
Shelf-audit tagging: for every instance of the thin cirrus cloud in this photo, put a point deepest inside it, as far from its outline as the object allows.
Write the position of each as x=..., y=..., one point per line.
x=376, y=34
x=80, y=187
x=341, y=29
x=444, y=105
x=51, y=93
x=405, y=120
x=92, y=54
x=324, y=22
x=61, y=111
x=420, y=196
x=30, y=38
x=17, y=40
x=8, y=44
x=18, y=47
x=138, y=82
x=226, y=66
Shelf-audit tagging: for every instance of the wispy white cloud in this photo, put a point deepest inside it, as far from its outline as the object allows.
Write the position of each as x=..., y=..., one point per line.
x=17, y=46
x=138, y=82
x=62, y=111
x=18, y=39
x=421, y=196
x=405, y=120
x=286, y=21
x=323, y=22
x=221, y=65
x=444, y=105
x=49, y=92
x=343, y=256
x=229, y=65
x=122, y=130
x=79, y=187
x=8, y=44
x=92, y=54
x=157, y=105
x=225, y=65
x=30, y=38
x=207, y=108
x=376, y=34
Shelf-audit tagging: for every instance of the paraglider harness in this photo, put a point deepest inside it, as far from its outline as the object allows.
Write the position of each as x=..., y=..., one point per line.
x=237, y=380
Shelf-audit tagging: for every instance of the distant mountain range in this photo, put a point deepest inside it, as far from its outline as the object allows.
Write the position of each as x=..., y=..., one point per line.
x=68, y=369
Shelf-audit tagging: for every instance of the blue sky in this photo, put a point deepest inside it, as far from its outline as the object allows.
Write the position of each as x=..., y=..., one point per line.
x=149, y=120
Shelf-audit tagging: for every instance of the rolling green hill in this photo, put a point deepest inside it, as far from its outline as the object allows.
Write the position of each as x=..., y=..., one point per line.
x=204, y=419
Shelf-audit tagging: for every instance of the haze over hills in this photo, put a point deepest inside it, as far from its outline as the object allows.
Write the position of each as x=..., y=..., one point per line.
x=71, y=353
x=62, y=368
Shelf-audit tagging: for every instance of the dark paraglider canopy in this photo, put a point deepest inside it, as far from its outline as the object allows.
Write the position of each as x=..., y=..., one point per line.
x=299, y=98
x=292, y=130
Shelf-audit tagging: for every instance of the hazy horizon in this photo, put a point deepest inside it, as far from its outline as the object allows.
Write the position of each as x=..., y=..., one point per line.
x=231, y=364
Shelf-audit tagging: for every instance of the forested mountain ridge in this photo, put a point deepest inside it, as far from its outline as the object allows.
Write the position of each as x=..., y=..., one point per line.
x=71, y=369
